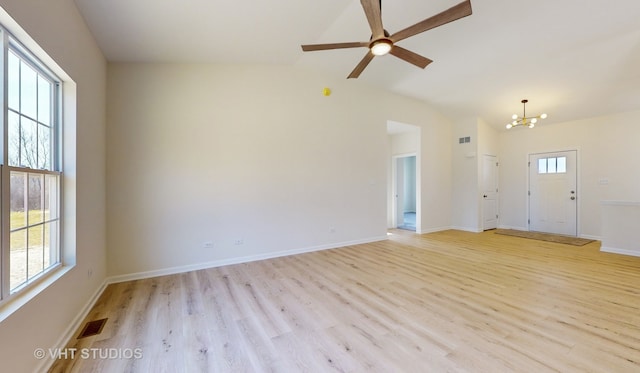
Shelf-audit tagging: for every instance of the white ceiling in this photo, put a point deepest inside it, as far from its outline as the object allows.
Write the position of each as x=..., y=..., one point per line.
x=572, y=59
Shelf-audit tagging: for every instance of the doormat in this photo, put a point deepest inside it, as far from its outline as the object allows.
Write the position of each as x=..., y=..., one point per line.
x=575, y=241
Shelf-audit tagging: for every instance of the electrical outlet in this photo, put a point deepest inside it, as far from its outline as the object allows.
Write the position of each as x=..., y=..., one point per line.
x=207, y=245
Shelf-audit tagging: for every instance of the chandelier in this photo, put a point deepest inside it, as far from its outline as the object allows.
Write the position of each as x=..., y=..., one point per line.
x=523, y=120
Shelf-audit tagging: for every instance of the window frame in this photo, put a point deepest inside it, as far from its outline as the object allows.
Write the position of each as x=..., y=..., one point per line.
x=552, y=171
x=11, y=44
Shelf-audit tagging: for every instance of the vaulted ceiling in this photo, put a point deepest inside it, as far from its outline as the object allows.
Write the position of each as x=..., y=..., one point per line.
x=572, y=58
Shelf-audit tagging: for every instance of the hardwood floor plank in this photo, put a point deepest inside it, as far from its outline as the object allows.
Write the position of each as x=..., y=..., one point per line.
x=447, y=301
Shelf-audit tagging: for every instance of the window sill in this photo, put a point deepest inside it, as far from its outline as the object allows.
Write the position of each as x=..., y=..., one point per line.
x=23, y=297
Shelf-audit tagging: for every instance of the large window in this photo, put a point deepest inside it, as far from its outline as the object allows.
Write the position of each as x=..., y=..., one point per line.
x=31, y=172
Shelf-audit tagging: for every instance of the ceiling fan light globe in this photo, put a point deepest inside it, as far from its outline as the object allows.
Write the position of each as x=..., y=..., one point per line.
x=381, y=47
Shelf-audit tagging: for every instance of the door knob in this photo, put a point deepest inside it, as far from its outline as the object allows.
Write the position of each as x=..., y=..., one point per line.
x=485, y=196
x=572, y=198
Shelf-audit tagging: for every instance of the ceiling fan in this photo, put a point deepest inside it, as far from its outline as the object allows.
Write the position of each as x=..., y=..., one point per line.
x=382, y=42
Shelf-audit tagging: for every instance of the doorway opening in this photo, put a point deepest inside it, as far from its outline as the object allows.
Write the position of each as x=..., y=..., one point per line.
x=403, y=198
x=406, y=193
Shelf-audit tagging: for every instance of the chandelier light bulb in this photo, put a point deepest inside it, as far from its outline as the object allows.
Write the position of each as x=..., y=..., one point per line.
x=543, y=116
x=509, y=125
x=534, y=121
x=531, y=125
x=514, y=116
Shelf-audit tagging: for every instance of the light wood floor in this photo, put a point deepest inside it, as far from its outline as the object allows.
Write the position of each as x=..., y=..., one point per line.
x=447, y=301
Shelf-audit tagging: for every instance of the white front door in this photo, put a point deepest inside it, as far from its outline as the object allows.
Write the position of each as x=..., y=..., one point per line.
x=489, y=192
x=553, y=193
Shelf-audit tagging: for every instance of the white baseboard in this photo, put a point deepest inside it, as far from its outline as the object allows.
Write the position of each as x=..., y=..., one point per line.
x=614, y=250
x=238, y=260
x=513, y=227
x=433, y=230
x=590, y=237
x=468, y=229
x=69, y=333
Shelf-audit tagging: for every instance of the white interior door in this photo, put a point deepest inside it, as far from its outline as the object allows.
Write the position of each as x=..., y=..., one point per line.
x=553, y=193
x=489, y=192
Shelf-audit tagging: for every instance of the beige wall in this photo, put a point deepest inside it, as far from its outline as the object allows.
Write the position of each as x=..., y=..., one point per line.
x=58, y=28
x=465, y=203
x=468, y=172
x=219, y=153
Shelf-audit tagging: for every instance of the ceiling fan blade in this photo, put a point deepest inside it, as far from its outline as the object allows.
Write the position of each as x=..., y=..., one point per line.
x=374, y=16
x=321, y=47
x=454, y=13
x=361, y=66
x=409, y=56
